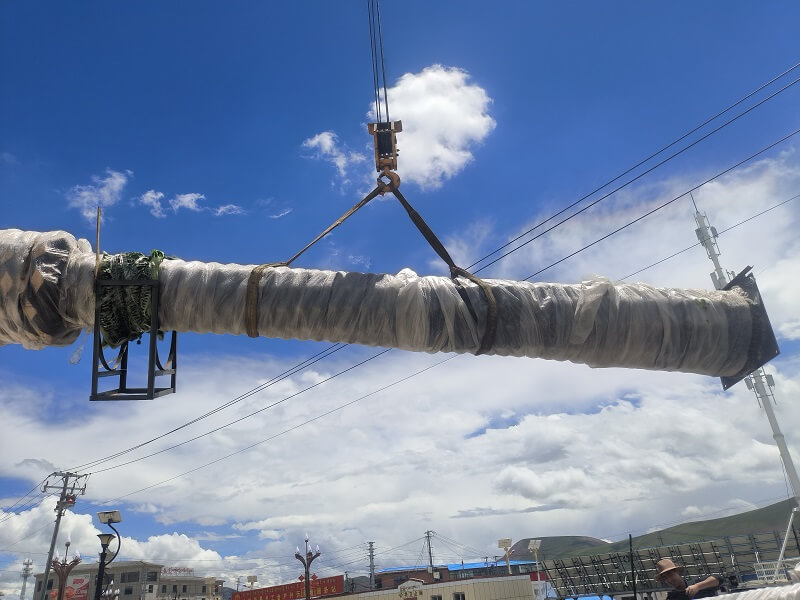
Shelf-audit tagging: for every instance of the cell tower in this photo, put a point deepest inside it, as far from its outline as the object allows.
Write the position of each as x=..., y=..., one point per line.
x=27, y=571
x=758, y=381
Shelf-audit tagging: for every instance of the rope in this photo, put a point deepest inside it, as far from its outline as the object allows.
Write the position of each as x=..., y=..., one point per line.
x=487, y=340
x=125, y=309
x=251, y=298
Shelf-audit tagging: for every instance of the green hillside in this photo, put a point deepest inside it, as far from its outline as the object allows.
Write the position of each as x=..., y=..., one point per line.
x=770, y=518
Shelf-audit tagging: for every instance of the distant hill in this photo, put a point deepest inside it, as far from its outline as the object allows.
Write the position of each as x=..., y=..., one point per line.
x=770, y=518
x=556, y=547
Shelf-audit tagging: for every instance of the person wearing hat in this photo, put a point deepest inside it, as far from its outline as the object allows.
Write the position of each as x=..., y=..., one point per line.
x=672, y=575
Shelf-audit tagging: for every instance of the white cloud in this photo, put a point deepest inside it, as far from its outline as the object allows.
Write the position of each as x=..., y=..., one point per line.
x=104, y=192
x=444, y=117
x=280, y=214
x=152, y=199
x=326, y=145
x=228, y=209
x=187, y=201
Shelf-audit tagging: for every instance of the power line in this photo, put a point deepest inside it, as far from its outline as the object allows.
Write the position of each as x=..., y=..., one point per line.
x=661, y=206
x=734, y=226
x=278, y=378
x=325, y=414
x=640, y=163
x=8, y=509
x=618, y=188
x=197, y=437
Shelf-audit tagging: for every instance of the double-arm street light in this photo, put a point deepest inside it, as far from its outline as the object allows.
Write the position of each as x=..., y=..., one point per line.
x=307, y=559
x=107, y=518
x=63, y=567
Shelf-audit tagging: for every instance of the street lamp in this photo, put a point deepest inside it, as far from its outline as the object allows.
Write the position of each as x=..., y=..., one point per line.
x=107, y=518
x=63, y=567
x=109, y=592
x=307, y=560
x=534, y=545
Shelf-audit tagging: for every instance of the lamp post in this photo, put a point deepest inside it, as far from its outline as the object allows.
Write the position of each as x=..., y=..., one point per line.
x=63, y=567
x=107, y=518
x=307, y=560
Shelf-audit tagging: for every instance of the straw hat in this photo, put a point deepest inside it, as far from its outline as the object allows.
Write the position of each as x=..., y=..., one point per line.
x=664, y=566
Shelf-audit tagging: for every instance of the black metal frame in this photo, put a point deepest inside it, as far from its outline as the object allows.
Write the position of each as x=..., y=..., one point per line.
x=119, y=367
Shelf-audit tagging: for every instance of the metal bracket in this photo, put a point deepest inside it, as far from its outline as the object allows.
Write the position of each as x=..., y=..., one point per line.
x=119, y=367
x=763, y=345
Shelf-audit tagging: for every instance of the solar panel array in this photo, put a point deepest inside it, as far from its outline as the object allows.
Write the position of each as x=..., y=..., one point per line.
x=611, y=573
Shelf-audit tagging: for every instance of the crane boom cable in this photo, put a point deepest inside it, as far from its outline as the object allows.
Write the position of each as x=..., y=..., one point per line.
x=373, y=51
x=383, y=61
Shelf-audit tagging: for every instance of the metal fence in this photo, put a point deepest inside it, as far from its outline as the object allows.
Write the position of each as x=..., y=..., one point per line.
x=738, y=559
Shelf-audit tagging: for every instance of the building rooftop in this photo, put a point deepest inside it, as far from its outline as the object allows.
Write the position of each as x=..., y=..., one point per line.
x=457, y=566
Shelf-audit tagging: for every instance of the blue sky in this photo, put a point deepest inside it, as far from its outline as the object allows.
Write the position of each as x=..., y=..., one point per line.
x=236, y=132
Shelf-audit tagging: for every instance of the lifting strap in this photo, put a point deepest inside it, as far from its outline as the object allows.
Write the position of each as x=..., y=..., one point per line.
x=487, y=340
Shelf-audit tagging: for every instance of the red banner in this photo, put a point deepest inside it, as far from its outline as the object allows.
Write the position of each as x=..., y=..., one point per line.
x=77, y=588
x=327, y=586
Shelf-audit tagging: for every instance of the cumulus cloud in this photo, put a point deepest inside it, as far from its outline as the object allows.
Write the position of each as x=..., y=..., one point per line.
x=152, y=199
x=326, y=145
x=228, y=209
x=103, y=192
x=187, y=201
x=445, y=117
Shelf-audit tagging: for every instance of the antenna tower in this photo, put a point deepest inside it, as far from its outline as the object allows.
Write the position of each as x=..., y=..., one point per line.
x=758, y=381
x=27, y=571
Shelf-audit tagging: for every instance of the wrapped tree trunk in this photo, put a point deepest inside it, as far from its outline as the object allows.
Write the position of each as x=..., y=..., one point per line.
x=47, y=288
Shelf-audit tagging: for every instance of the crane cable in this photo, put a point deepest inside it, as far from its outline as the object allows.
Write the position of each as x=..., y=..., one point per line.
x=376, y=47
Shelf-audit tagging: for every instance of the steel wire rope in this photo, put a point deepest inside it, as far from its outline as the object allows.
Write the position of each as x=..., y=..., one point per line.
x=260, y=410
x=734, y=226
x=285, y=431
x=633, y=179
x=375, y=85
x=278, y=378
x=640, y=163
x=383, y=63
x=664, y=205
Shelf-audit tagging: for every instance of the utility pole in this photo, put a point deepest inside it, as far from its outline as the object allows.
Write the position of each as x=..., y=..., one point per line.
x=758, y=381
x=70, y=487
x=430, y=553
x=371, y=565
x=27, y=571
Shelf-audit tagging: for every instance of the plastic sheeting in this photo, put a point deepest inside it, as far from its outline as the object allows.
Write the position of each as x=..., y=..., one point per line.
x=46, y=281
x=784, y=592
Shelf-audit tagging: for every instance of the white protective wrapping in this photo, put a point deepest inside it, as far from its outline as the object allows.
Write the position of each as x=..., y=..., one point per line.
x=783, y=592
x=596, y=323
